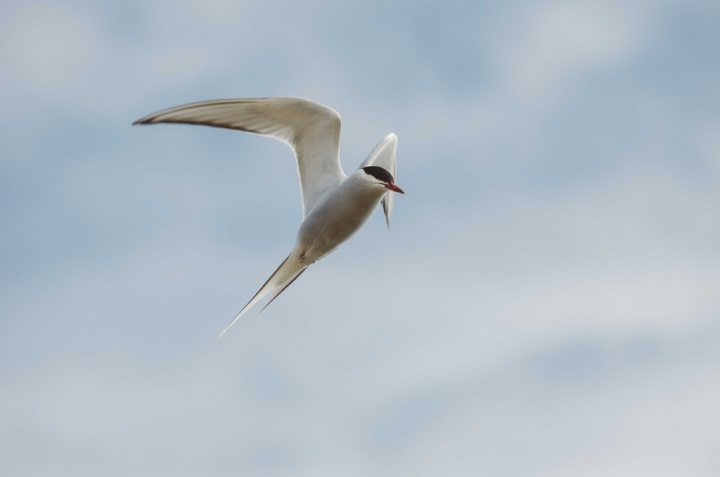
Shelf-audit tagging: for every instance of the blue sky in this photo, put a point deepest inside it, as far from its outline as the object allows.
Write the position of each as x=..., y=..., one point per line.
x=546, y=302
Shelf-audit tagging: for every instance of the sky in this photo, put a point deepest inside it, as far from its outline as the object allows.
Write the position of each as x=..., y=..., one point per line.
x=545, y=303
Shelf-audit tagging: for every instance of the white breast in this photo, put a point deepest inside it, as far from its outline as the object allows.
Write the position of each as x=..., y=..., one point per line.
x=338, y=216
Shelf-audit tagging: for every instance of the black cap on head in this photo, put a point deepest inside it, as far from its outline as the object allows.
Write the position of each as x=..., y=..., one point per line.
x=380, y=174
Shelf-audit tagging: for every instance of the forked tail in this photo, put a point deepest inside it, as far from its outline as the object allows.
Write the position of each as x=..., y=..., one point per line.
x=283, y=277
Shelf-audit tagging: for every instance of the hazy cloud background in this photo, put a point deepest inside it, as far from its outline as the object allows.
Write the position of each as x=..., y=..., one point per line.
x=546, y=303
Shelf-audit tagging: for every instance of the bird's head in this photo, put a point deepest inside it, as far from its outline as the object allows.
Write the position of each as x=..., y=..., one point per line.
x=380, y=176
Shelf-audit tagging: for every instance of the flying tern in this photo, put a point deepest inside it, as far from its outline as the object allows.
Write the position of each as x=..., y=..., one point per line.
x=335, y=206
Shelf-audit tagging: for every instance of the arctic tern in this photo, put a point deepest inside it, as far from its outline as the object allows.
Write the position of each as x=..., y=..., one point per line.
x=335, y=206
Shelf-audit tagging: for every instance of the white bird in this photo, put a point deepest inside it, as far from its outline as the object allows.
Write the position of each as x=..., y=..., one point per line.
x=335, y=206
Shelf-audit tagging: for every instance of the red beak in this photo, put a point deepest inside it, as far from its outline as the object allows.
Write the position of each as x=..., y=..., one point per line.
x=393, y=188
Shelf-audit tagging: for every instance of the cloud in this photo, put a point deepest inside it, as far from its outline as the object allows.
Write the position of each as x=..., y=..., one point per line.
x=559, y=41
x=544, y=302
x=50, y=46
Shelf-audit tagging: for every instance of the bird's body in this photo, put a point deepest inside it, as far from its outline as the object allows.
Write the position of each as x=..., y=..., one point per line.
x=335, y=206
x=336, y=218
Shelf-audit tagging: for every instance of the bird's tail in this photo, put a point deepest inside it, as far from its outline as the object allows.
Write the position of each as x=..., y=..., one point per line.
x=286, y=273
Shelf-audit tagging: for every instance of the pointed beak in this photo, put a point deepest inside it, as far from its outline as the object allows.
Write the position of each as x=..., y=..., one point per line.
x=393, y=188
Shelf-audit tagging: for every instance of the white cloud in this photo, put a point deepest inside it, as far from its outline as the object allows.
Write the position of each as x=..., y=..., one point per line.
x=558, y=41
x=50, y=46
x=514, y=325
x=219, y=12
x=708, y=144
x=490, y=294
x=87, y=412
x=667, y=433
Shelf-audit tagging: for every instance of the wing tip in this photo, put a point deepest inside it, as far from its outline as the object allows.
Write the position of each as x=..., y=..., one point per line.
x=386, y=210
x=390, y=139
x=145, y=120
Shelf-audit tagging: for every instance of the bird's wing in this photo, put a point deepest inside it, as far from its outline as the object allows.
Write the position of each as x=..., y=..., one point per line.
x=384, y=156
x=310, y=129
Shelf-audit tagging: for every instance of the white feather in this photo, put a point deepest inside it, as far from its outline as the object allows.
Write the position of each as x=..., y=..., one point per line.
x=310, y=129
x=334, y=207
x=384, y=156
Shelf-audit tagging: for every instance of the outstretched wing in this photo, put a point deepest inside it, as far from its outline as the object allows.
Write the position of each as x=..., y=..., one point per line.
x=384, y=156
x=310, y=129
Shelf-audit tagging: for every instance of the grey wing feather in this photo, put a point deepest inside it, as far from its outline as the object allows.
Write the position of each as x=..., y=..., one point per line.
x=384, y=156
x=310, y=129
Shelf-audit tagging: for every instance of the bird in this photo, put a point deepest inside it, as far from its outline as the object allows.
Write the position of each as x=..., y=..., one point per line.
x=335, y=206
